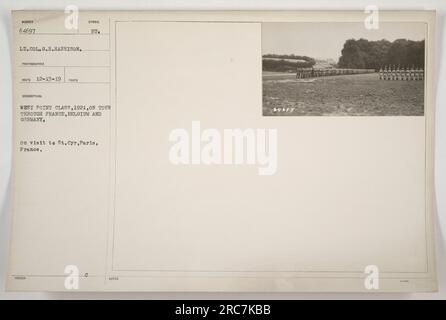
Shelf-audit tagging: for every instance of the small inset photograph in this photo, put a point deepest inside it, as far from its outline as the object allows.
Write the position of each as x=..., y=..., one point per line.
x=343, y=69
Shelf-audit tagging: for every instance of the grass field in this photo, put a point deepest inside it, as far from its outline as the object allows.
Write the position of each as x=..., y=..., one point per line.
x=347, y=95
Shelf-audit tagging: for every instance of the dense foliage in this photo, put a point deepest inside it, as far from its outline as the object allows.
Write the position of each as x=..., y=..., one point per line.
x=364, y=54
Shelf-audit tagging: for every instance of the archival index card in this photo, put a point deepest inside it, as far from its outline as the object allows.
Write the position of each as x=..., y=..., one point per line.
x=223, y=151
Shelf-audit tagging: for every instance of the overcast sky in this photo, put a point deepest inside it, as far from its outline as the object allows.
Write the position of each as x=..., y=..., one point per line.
x=325, y=40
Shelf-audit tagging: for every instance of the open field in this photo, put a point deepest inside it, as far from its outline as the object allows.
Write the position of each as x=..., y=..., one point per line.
x=346, y=95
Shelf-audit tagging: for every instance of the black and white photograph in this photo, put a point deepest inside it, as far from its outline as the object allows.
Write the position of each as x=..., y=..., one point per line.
x=231, y=152
x=343, y=69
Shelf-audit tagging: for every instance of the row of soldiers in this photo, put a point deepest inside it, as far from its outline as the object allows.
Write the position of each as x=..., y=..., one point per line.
x=303, y=73
x=401, y=73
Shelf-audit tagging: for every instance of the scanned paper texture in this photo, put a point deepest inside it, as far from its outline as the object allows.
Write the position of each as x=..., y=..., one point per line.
x=223, y=151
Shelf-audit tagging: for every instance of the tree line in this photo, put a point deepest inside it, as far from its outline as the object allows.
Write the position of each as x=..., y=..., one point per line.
x=365, y=54
x=285, y=62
